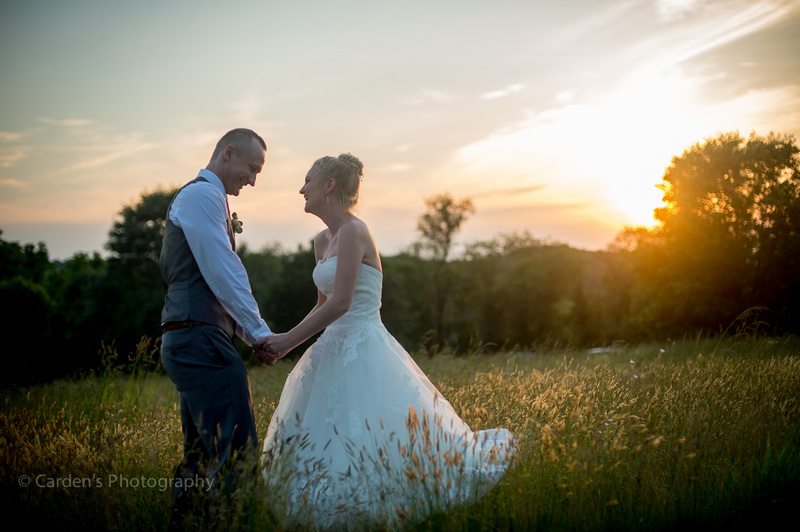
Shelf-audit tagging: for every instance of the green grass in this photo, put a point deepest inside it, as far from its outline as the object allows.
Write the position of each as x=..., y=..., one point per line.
x=692, y=434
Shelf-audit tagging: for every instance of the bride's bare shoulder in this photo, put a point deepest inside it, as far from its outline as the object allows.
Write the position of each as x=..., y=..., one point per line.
x=358, y=225
x=359, y=232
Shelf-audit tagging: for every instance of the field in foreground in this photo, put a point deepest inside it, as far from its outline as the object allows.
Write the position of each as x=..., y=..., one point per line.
x=694, y=434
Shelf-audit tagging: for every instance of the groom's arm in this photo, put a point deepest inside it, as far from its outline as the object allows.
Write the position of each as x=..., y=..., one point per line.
x=199, y=210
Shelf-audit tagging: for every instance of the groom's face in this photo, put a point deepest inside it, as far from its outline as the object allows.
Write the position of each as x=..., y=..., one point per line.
x=241, y=167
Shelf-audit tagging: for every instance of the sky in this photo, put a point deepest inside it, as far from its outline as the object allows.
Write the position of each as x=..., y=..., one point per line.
x=555, y=118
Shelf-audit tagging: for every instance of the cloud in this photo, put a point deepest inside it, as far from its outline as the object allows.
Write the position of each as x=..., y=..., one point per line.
x=399, y=167
x=112, y=152
x=516, y=87
x=9, y=136
x=12, y=183
x=515, y=191
x=721, y=28
x=494, y=94
x=247, y=108
x=604, y=18
x=69, y=122
x=89, y=147
x=565, y=96
x=577, y=223
x=427, y=95
x=11, y=156
x=669, y=10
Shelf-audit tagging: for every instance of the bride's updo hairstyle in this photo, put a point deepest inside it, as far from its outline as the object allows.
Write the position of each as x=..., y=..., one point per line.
x=347, y=171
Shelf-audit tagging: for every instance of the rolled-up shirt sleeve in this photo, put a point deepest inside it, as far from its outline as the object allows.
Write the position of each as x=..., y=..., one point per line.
x=200, y=211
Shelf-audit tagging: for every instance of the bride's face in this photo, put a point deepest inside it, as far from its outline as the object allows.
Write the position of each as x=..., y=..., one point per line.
x=314, y=191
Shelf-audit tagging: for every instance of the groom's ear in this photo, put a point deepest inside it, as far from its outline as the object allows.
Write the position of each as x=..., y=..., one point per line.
x=228, y=152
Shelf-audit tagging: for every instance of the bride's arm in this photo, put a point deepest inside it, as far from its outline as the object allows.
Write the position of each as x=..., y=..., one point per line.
x=320, y=246
x=350, y=253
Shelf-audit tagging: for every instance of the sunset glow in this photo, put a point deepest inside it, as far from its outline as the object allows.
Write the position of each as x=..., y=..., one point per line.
x=556, y=120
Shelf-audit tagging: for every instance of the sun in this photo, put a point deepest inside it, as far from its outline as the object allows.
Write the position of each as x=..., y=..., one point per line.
x=637, y=203
x=638, y=130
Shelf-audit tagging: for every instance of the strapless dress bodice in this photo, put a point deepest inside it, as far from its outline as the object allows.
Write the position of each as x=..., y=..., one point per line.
x=366, y=302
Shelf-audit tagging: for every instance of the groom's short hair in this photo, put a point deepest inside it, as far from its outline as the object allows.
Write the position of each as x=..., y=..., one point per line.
x=239, y=138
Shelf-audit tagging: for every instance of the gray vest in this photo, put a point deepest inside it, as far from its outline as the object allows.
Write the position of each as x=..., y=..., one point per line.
x=188, y=295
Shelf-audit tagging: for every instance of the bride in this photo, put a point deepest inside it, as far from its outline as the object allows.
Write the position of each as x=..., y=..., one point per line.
x=360, y=435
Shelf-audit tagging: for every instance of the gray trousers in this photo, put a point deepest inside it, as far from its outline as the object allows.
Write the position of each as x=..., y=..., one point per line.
x=216, y=405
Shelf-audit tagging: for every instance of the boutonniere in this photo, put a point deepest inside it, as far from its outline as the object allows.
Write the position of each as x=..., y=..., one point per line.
x=236, y=223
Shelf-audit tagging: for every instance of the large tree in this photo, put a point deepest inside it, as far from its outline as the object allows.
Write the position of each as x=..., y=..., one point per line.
x=437, y=226
x=442, y=221
x=28, y=261
x=730, y=235
x=134, y=289
x=27, y=307
x=135, y=237
x=82, y=316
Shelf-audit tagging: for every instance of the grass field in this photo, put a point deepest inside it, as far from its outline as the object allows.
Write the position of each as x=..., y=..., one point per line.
x=695, y=434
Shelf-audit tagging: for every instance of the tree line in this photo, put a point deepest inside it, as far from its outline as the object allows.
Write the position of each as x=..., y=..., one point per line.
x=725, y=256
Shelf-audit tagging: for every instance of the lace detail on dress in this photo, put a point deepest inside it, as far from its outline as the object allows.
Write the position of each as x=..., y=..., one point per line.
x=407, y=394
x=349, y=344
x=355, y=430
x=343, y=341
x=334, y=406
x=306, y=381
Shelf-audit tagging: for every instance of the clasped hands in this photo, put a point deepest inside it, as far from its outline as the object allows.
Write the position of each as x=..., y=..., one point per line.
x=268, y=350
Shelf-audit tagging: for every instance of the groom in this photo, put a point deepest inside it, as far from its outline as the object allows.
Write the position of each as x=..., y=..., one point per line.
x=208, y=301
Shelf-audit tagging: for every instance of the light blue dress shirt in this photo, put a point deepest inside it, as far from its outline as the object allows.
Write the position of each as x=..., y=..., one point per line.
x=201, y=211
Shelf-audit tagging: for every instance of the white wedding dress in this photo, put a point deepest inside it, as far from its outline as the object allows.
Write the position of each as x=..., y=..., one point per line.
x=361, y=436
